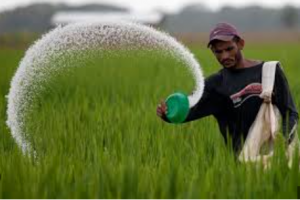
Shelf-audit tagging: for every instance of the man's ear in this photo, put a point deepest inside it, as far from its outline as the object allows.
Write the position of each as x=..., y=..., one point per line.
x=241, y=44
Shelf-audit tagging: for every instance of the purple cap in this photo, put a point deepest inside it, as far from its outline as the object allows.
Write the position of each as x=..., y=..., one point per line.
x=224, y=32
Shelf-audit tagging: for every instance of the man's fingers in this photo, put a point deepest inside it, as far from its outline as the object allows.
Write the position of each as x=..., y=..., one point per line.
x=158, y=110
x=159, y=113
x=161, y=108
x=164, y=107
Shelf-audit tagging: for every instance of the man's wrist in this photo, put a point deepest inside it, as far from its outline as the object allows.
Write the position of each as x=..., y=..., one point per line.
x=164, y=117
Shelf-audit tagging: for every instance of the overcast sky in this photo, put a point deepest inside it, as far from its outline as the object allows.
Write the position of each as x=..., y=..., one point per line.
x=167, y=5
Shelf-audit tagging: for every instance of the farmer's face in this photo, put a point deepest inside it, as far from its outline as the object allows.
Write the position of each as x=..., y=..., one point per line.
x=229, y=54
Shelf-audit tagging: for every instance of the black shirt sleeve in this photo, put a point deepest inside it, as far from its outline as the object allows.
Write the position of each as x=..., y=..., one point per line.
x=209, y=103
x=284, y=101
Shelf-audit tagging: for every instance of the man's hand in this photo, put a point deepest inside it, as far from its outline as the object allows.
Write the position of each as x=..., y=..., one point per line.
x=162, y=109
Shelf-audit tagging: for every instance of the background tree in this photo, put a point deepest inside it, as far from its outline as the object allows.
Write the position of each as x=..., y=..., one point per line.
x=290, y=17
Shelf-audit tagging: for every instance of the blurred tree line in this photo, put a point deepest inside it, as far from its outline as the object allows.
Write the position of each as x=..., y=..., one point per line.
x=25, y=23
x=22, y=25
x=290, y=17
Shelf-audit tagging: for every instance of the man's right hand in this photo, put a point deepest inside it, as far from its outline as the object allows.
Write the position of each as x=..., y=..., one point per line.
x=162, y=109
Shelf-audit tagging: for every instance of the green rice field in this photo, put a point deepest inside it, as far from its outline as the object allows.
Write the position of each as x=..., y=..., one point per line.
x=97, y=135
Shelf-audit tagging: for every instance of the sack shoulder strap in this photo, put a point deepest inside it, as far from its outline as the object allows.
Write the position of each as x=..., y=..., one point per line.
x=268, y=77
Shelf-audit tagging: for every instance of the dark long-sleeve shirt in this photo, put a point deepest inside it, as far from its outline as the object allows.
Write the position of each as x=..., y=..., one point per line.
x=232, y=97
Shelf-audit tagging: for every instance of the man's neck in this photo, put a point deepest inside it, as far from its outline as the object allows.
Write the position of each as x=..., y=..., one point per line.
x=246, y=63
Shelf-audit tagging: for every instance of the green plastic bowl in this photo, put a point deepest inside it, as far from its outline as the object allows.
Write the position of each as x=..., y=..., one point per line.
x=178, y=107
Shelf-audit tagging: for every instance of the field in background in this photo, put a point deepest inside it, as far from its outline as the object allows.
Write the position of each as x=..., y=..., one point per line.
x=24, y=39
x=251, y=38
x=98, y=136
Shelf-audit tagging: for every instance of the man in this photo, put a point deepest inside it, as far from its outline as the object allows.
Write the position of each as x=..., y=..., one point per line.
x=232, y=94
